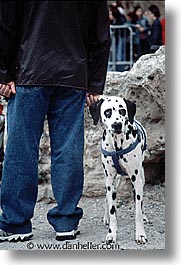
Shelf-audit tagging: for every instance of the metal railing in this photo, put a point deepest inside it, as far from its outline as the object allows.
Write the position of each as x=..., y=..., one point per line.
x=119, y=33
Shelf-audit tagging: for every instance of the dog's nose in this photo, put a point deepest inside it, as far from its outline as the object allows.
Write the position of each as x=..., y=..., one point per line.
x=117, y=127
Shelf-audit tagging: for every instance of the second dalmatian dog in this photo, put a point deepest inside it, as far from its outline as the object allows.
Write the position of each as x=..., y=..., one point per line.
x=123, y=147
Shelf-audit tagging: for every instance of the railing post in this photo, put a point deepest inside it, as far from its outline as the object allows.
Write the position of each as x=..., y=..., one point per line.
x=112, y=58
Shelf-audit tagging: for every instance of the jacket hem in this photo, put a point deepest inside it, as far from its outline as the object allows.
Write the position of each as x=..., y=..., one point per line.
x=60, y=85
x=50, y=85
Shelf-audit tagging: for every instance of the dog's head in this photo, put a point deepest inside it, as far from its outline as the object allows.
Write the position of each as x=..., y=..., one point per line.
x=115, y=112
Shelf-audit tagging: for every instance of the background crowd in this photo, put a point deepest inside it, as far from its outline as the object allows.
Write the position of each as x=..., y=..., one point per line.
x=147, y=26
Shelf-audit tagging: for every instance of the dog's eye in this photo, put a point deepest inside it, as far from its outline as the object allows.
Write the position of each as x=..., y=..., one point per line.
x=108, y=113
x=122, y=112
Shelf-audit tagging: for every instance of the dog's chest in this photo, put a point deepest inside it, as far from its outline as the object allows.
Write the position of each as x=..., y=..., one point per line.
x=118, y=143
x=115, y=142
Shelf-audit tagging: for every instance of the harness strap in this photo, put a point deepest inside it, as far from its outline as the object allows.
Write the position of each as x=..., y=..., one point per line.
x=115, y=154
x=115, y=158
x=120, y=171
x=141, y=130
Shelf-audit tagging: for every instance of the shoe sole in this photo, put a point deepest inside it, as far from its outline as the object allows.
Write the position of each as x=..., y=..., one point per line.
x=17, y=238
x=67, y=237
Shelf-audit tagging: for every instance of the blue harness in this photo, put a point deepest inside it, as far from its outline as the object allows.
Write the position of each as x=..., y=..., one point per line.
x=116, y=154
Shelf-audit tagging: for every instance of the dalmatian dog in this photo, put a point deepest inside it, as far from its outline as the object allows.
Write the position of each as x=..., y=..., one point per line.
x=123, y=147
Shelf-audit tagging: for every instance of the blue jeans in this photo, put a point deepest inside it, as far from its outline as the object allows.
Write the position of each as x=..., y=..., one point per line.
x=26, y=113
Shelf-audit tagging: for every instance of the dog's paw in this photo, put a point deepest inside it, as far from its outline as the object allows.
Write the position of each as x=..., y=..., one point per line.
x=110, y=238
x=141, y=239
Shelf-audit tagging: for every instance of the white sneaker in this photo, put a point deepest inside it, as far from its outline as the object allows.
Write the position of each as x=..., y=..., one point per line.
x=70, y=235
x=5, y=236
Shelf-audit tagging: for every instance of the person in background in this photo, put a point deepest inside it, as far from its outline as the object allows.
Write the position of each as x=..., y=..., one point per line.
x=112, y=20
x=155, y=37
x=111, y=15
x=140, y=27
x=120, y=35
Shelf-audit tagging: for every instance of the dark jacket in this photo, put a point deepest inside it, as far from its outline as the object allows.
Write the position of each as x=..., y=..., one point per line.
x=155, y=37
x=54, y=43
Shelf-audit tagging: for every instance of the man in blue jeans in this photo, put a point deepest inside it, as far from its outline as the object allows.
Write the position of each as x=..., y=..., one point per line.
x=53, y=55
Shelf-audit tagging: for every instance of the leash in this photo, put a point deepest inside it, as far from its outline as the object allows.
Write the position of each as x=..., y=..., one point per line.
x=115, y=154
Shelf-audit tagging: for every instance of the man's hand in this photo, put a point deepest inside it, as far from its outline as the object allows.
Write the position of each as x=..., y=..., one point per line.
x=8, y=89
x=91, y=98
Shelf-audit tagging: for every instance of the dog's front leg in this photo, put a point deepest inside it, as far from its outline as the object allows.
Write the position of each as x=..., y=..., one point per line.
x=140, y=232
x=111, y=209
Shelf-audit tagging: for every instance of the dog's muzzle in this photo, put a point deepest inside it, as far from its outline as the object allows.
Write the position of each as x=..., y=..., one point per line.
x=117, y=127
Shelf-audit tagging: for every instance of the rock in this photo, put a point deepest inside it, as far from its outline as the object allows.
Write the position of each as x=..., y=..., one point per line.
x=44, y=156
x=145, y=84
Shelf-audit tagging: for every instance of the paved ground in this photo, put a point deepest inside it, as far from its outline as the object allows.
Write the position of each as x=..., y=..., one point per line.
x=93, y=231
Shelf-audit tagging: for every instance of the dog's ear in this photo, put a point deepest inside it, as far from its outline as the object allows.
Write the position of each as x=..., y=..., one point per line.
x=131, y=107
x=95, y=110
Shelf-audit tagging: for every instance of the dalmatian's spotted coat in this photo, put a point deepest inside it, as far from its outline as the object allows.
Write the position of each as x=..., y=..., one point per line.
x=117, y=114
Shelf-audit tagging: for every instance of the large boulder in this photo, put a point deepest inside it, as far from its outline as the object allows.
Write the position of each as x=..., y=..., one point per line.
x=145, y=85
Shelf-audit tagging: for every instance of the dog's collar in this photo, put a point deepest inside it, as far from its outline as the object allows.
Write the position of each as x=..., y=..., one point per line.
x=116, y=154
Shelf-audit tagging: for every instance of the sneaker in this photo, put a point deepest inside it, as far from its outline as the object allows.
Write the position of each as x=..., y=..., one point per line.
x=70, y=235
x=5, y=236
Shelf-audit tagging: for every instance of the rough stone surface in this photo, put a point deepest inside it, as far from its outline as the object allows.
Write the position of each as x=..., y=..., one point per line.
x=44, y=155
